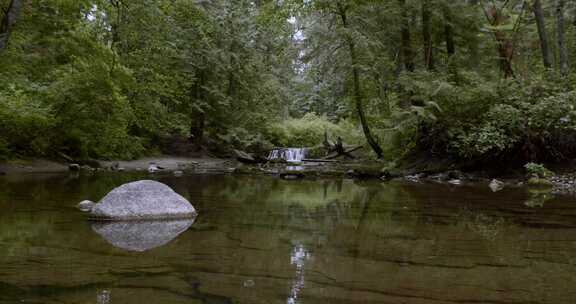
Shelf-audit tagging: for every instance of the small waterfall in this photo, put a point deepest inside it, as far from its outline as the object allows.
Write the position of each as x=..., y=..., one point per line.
x=292, y=155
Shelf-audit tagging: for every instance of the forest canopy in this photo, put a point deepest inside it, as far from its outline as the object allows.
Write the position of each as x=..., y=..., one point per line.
x=110, y=79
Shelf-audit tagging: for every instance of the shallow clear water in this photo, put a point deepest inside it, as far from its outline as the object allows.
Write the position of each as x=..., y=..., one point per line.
x=265, y=240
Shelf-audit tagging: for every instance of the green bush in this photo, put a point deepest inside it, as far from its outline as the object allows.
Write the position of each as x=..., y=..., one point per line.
x=538, y=170
x=91, y=112
x=24, y=123
x=526, y=119
x=309, y=131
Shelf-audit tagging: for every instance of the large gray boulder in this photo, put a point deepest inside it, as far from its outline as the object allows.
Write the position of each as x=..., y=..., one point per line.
x=141, y=235
x=141, y=200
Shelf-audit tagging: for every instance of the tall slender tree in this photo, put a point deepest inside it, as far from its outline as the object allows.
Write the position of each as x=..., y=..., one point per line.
x=504, y=29
x=7, y=23
x=560, y=37
x=343, y=12
x=407, y=53
x=542, y=33
x=427, y=35
x=449, y=30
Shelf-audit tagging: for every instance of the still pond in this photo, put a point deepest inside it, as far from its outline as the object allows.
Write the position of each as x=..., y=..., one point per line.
x=266, y=240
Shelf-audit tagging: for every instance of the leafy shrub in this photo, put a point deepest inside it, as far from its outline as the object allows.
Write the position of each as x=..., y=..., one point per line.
x=524, y=119
x=243, y=139
x=538, y=170
x=91, y=112
x=24, y=123
x=309, y=131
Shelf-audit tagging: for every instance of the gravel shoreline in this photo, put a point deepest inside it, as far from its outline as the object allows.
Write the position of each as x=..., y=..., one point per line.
x=166, y=163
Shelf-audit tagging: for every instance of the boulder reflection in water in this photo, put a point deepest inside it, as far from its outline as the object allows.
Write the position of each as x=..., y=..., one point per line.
x=141, y=235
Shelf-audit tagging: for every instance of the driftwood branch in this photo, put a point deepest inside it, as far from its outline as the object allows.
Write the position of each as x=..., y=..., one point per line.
x=345, y=152
x=311, y=160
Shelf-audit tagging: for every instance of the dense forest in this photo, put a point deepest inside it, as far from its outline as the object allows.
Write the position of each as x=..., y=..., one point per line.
x=117, y=79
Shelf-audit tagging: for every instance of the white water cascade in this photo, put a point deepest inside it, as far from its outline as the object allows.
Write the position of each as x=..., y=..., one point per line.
x=292, y=155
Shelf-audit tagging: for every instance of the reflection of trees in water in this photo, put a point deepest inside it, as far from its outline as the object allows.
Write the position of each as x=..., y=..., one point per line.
x=487, y=226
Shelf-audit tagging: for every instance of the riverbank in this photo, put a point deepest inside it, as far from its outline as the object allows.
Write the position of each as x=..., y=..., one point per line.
x=163, y=163
x=425, y=171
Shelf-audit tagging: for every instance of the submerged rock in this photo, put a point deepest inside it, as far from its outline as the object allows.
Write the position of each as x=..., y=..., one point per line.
x=292, y=175
x=141, y=235
x=496, y=185
x=144, y=199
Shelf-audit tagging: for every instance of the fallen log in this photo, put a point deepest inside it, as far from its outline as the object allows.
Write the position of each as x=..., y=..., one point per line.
x=248, y=158
x=345, y=152
x=311, y=160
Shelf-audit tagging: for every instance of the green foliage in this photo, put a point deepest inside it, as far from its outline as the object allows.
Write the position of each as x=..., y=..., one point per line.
x=91, y=110
x=309, y=131
x=528, y=123
x=538, y=170
x=92, y=79
x=24, y=123
x=105, y=81
x=530, y=119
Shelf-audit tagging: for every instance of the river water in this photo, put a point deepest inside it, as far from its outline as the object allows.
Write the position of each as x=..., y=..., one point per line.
x=265, y=240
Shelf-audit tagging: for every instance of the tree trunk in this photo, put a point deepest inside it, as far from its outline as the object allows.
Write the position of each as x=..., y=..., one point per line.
x=449, y=32
x=357, y=88
x=407, y=54
x=198, y=117
x=560, y=39
x=8, y=22
x=504, y=44
x=505, y=51
x=427, y=35
x=544, y=45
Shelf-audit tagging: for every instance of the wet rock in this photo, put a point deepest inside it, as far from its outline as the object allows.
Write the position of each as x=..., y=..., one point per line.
x=152, y=168
x=248, y=283
x=144, y=199
x=415, y=178
x=86, y=206
x=455, y=175
x=564, y=184
x=74, y=167
x=115, y=166
x=439, y=177
x=496, y=185
x=141, y=235
x=455, y=182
